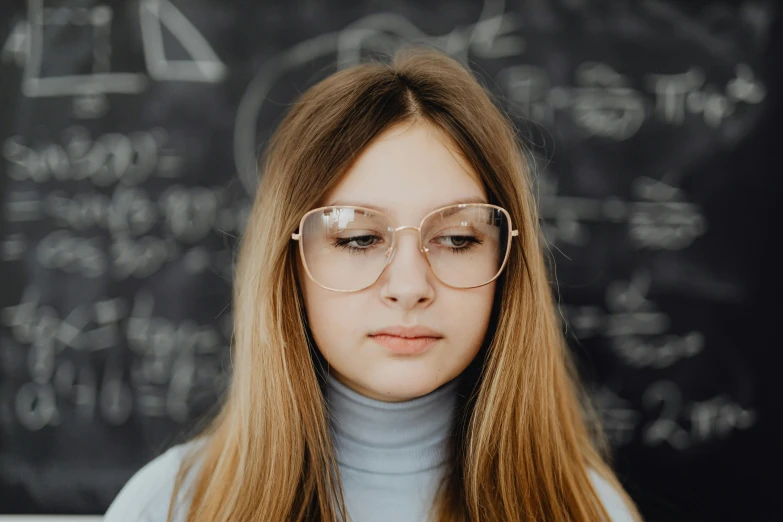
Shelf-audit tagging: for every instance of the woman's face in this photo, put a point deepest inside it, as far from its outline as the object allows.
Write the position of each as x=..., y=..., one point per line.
x=408, y=171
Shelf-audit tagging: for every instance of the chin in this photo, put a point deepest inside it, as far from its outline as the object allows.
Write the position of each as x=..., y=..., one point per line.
x=404, y=392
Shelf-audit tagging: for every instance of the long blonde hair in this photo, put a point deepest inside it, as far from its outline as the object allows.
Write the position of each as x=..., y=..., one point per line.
x=526, y=432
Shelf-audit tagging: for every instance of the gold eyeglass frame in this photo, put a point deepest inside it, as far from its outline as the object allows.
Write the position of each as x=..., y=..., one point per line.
x=297, y=236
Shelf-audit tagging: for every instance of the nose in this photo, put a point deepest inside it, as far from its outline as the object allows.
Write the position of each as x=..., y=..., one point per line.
x=407, y=279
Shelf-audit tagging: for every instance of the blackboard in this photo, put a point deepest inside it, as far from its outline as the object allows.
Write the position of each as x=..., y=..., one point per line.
x=128, y=138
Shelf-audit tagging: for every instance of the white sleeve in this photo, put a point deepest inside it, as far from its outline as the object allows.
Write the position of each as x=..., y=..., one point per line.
x=146, y=496
x=618, y=511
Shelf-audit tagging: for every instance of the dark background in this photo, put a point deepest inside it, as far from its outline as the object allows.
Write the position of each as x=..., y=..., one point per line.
x=128, y=135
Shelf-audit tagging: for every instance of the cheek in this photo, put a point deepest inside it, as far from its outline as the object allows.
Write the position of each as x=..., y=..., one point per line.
x=470, y=313
x=335, y=319
x=320, y=305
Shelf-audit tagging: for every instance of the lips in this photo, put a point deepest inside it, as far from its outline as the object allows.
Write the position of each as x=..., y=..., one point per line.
x=405, y=345
x=406, y=340
x=408, y=332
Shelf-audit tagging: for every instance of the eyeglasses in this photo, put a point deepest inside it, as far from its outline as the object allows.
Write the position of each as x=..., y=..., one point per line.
x=347, y=248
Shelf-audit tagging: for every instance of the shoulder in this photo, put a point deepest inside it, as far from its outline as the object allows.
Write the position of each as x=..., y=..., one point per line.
x=146, y=496
x=611, y=499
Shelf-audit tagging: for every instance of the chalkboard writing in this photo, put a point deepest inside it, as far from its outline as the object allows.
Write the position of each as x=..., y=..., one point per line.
x=129, y=134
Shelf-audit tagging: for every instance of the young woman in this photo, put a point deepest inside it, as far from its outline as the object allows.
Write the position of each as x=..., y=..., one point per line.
x=397, y=353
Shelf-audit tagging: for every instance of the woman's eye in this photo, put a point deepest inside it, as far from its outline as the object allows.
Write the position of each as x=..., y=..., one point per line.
x=364, y=241
x=356, y=242
x=456, y=241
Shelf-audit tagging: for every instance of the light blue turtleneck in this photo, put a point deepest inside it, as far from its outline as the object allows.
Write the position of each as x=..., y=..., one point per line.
x=391, y=457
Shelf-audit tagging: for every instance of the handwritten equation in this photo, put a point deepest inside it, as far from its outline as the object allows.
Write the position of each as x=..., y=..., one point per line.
x=636, y=330
x=132, y=233
x=667, y=419
x=660, y=219
x=172, y=361
x=603, y=102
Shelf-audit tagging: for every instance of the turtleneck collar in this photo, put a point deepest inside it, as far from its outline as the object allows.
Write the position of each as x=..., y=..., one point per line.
x=391, y=437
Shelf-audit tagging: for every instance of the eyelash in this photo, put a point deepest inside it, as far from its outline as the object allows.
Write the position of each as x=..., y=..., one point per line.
x=343, y=244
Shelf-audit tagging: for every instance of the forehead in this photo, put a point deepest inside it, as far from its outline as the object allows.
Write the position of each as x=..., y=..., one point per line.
x=406, y=172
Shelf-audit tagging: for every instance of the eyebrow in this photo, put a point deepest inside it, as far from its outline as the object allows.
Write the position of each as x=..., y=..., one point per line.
x=387, y=211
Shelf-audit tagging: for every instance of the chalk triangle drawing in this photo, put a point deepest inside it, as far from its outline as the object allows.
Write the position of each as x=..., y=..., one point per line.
x=205, y=65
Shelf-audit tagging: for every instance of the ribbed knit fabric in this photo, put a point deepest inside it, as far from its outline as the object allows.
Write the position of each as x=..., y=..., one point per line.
x=391, y=455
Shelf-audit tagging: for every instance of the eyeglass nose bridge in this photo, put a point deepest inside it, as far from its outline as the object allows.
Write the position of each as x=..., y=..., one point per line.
x=393, y=248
